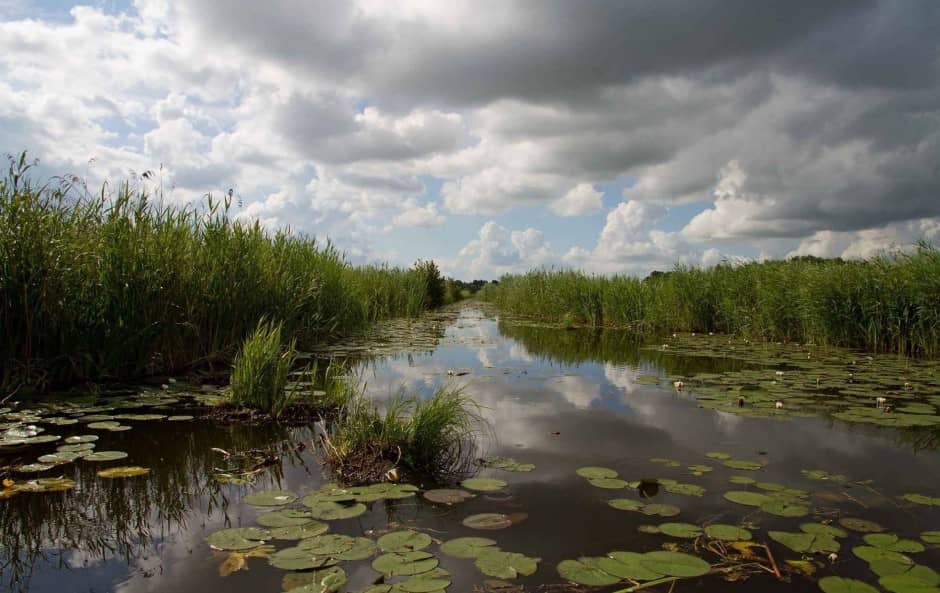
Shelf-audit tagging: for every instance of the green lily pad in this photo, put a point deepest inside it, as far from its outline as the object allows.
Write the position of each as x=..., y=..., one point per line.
x=506, y=565
x=488, y=521
x=742, y=465
x=285, y=518
x=584, y=574
x=105, y=456
x=625, y=504
x=421, y=584
x=124, y=471
x=872, y=554
x=483, y=484
x=889, y=541
x=718, y=455
x=404, y=541
x=299, y=559
x=269, y=498
x=861, y=525
x=467, y=547
x=783, y=508
x=237, y=538
x=728, y=533
x=404, y=563
x=595, y=473
x=675, y=564
x=341, y=547
x=627, y=565
x=76, y=448
x=922, y=499
x=683, y=530
x=181, y=418
x=747, y=498
x=332, y=511
x=295, y=532
x=843, y=585
x=83, y=438
x=908, y=583
x=686, y=489
x=821, y=529
x=742, y=480
x=931, y=537
x=327, y=580
x=39, y=486
x=806, y=542
x=608, y=483
x=447, y=496
x=662, y=510
x=60, y=457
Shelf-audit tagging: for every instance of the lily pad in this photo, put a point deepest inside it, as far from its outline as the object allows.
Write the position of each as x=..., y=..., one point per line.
x=467, y=547
x=76, y=448
x=60, y=457
x=483, y=484
x=675, y=564
x=718, y=455
x=332, y=511
x=237, y=538
x=608, y=483
x=805, y=542
x=747, y=498
x=686, y=489
x=488, y=521
x=507, y=464
x=889, y=541
x=341, y=547
x=627, y=565
x=124, y=471
x=594, y=473
x=105, y=456
x=285, y=518
x=404, y=563
x=728, y=533
x=326, y=580
x=421, y=584
x=844, y=585
x=821, y=529
x=909, y=583
x=742, y=465
x=931, y=537
x=872, y=554
x=269, y=498
x=783, y=508
x=506, y=565
x=861, y=525
x=933, y=501
x=625, y=504
x=297, y=558
x=585, y=574
x=683, y=530
x=295, y=532
x=447, y=496
x=663, y=510
x=404, y=541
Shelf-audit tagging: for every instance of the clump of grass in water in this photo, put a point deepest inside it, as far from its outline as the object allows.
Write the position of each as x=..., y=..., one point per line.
x=260, y=370
x=435, y=437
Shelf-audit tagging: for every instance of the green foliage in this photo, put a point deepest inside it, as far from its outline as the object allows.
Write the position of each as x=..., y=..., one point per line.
x=433, y=282
x=884, y=304
x=259, y=374
x=434, y=436
x=115, y=286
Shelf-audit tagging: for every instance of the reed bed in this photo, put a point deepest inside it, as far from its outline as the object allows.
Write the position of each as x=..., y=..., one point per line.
x=113, y=286
x=889, y=303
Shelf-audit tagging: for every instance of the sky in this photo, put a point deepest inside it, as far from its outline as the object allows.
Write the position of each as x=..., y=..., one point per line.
x=617, y=137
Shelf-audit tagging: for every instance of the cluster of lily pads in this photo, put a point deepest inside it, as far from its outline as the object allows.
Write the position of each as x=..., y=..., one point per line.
x=401, y=557
x=618, y=566
x=22, y=429
x=793, y=380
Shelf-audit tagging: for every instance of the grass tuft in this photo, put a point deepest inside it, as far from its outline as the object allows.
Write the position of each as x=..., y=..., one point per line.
x=260, y=371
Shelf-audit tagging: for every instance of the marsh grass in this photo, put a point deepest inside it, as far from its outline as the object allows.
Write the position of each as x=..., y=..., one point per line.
x=435, y=437
x=884, y=304
x=115, y=285
x=260, y=371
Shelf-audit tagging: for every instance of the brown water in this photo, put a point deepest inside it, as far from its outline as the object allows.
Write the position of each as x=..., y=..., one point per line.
x=560, y=400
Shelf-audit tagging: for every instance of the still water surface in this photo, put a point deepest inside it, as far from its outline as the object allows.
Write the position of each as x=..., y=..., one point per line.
x=557, y=399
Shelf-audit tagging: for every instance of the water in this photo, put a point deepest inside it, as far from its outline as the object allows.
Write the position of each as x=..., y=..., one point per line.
x=558, y=399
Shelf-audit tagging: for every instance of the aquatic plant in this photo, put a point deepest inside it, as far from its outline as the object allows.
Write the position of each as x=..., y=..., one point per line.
x=259, y=373
x=434, y=436
x=117, y=284
x=883, y=304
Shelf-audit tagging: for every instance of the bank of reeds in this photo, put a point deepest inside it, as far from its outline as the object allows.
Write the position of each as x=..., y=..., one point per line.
x=117, y=285
x=884, y=304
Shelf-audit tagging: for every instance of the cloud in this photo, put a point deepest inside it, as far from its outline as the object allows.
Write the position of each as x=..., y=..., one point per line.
x=414, y=215
x=497, y=251
x=580, y=200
